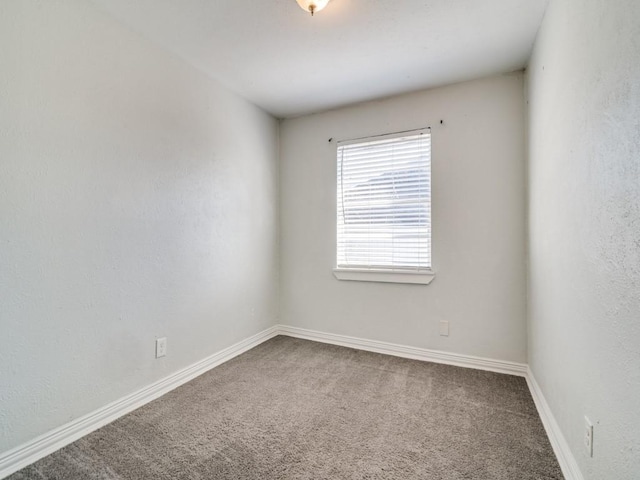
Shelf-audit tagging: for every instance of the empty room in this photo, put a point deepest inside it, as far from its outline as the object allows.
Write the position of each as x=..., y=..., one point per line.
x=320, y=239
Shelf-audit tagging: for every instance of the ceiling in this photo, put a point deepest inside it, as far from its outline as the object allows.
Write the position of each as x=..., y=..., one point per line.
x=289, y=63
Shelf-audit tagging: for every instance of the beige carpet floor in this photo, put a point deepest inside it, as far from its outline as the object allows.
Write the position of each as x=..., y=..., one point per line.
x=294, y=409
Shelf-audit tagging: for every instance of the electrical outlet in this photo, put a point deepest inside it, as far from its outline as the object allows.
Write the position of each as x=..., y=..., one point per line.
x=161, y=347
x=588, y=436
x=444, y=328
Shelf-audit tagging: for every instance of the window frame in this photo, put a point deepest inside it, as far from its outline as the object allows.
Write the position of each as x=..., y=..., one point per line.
x=392, y=274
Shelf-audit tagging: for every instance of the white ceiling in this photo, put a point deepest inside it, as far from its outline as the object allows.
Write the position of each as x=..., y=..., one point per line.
x=289, y=63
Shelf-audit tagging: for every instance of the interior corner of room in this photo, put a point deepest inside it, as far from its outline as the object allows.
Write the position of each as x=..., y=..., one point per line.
x=157, y=220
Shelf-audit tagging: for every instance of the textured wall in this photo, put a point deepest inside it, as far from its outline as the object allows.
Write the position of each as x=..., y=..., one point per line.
x=478, y=223
x=137, y=199
x=584, y=328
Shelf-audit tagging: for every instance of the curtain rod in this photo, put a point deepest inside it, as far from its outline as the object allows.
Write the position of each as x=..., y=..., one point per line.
x=384, y=134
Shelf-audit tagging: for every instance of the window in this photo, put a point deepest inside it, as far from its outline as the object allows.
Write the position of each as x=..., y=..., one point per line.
x=384, y=208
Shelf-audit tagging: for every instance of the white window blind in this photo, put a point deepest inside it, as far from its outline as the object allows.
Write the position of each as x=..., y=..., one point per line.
x=384, y=203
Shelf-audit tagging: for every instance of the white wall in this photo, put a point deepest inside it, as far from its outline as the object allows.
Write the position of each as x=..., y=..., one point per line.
x=478, y=223
x=584, y=328
x=137, y=199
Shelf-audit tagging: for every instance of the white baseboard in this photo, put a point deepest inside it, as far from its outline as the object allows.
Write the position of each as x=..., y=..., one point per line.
x=27, y=453
x=23, y=455
x=436, y=356
x=567, y=461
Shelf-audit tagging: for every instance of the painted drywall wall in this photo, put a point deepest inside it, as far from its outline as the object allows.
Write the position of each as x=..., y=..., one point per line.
x=478, y=171
x=584, y=234
x=138, y=199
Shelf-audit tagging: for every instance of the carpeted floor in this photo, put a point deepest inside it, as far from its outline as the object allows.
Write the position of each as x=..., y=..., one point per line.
x=294, y=409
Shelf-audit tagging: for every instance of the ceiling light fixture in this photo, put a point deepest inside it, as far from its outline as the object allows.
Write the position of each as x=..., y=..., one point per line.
x=312, y=6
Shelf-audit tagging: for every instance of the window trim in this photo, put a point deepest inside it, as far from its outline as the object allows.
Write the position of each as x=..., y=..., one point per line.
x=422, y=277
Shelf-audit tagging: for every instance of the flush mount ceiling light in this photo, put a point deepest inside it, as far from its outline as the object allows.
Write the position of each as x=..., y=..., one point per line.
x=312, y=6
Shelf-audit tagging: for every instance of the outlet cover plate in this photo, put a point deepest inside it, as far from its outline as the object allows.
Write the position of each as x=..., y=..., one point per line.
x=161, y=347
x=588, y=436
x=444, y=328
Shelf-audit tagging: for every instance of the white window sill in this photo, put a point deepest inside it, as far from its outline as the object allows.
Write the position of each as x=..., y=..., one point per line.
x=364, y=275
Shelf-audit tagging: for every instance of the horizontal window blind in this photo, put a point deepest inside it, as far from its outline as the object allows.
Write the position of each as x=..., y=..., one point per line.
x=384, y=203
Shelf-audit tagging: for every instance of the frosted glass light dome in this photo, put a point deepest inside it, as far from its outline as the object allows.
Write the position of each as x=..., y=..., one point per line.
x=312, y=6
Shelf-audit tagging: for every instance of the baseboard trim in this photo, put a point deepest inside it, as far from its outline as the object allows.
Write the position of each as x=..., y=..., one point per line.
x=567, y=461
x=404, y=351
x=29, y=452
